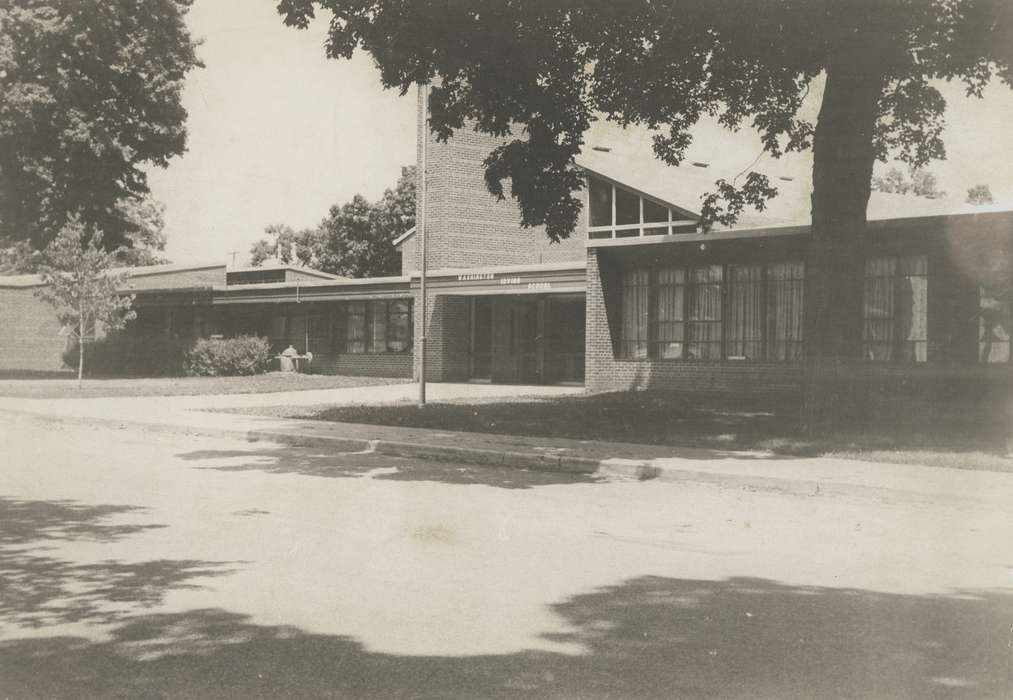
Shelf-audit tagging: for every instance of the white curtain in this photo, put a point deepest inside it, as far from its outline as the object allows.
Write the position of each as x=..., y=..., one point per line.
x=635, y=314
x=743, y=331
x=785, y=288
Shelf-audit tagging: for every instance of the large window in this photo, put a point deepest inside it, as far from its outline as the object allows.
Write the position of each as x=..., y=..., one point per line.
x=995, y=324
x=636, y=313
x=895, y=309
x=355, y=327
x=617, y=212
x=376, y=326
x=713, y=312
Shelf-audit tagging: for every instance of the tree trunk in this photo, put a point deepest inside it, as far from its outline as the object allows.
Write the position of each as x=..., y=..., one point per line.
x=843, y=157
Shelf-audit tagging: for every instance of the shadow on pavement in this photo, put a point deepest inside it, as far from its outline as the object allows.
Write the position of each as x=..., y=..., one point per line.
x=648, y=637
x=38, y=590
x=309, y=461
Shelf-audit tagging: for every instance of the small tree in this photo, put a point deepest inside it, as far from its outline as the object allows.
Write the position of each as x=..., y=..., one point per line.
x=80, y=285
x=979, y=194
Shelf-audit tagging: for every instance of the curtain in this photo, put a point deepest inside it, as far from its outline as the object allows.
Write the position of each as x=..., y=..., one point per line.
x=879, y=314
x=635, y=314
x=398, y=326
x=669, y=304
x=912, y=308
x=355, y=328
x=994, y=313
x=743, y=333
x=378, y=326
x=704, y=325
x=785, y=288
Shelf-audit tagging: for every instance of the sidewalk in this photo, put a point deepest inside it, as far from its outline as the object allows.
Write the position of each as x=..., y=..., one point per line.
x=803, y=476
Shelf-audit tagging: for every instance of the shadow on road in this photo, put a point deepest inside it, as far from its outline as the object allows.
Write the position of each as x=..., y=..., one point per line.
x=648, y=637
x=308, y=461
x=38, y=590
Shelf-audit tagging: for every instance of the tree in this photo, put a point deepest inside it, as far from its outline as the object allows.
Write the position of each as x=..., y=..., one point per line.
x=355, y=240
x=921, y=184
x=287, y=246
x=79, y=285
x=979, y=194
x=144, y=220
x=90, y=92
x=540, y=72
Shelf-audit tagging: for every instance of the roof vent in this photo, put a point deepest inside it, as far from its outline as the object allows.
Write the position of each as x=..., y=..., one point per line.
x=698, y=164
x=603, y=149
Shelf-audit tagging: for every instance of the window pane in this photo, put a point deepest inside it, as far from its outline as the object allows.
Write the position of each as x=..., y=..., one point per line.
x=912, y=308
x=744, y=333
x=669, y=311
x=355, y=327
x=654, y=213
x=878, y=308
x=895, y=309
x=785, y=287
x=399, y=326
x=633, y=337
x=627, y=207
x=599, y=195
x=378, y=326
x=704, y=308
x=994, y=313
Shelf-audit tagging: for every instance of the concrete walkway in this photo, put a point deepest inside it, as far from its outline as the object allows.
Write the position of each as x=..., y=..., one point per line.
x=806, y=476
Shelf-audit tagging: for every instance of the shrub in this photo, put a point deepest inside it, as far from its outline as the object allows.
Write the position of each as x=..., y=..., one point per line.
x=226, y=357
x=130, y=356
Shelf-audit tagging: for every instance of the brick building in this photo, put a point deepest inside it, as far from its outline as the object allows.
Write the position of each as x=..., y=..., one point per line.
x=637, y=297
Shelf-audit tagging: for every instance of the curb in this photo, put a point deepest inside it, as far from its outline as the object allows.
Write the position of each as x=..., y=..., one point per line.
x=393, y=448
x=613, y=468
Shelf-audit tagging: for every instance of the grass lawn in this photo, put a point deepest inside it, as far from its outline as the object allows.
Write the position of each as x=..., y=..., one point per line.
x=63, y=388
x=666, y=419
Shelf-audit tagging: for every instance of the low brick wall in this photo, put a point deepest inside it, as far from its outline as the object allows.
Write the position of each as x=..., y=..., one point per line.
x=394, y=365
x=31, y=339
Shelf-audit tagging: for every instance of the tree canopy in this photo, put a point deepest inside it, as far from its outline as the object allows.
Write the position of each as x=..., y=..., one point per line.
x=356, y=239
x=556, y=66
x=90, y=94
x=979, y=194
x=921, y=183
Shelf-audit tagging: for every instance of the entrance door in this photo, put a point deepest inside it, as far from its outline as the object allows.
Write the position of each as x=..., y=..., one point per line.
x=565, y=330
x=480, y=350
x=527, y=335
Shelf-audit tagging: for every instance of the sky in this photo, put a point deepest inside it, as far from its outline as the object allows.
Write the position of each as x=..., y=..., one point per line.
x=278, y=133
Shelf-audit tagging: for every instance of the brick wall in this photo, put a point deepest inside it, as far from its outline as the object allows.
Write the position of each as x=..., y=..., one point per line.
x=364, y=364
x=468, y=227
x=447, y=338
x=31, y=340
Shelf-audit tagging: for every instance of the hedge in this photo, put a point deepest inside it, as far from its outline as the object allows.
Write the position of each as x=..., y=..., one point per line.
x=225, y=357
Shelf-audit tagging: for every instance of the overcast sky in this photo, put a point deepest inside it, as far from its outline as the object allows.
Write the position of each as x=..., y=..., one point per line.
x=278, y=133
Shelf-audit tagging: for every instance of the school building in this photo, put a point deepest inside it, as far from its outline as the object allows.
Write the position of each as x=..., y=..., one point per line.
x=637, y=297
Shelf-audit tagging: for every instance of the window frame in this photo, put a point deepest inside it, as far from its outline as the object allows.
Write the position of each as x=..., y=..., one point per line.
x=374, y=310
x=677, y=222
x=897, y=279
x=654, y=342
x=1004, y=297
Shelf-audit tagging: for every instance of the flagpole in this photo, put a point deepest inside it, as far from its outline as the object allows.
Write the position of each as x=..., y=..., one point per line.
x=421, y=232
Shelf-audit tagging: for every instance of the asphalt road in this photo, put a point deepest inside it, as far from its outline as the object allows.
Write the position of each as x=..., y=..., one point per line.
x=146, y=565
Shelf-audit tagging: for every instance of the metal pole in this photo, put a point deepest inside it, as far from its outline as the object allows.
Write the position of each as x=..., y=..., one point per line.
x=421, y=232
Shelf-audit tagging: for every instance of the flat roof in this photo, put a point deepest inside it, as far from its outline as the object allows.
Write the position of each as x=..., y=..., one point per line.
x=33, y=280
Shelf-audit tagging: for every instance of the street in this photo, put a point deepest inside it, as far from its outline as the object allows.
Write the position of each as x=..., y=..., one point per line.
x=144, y=564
